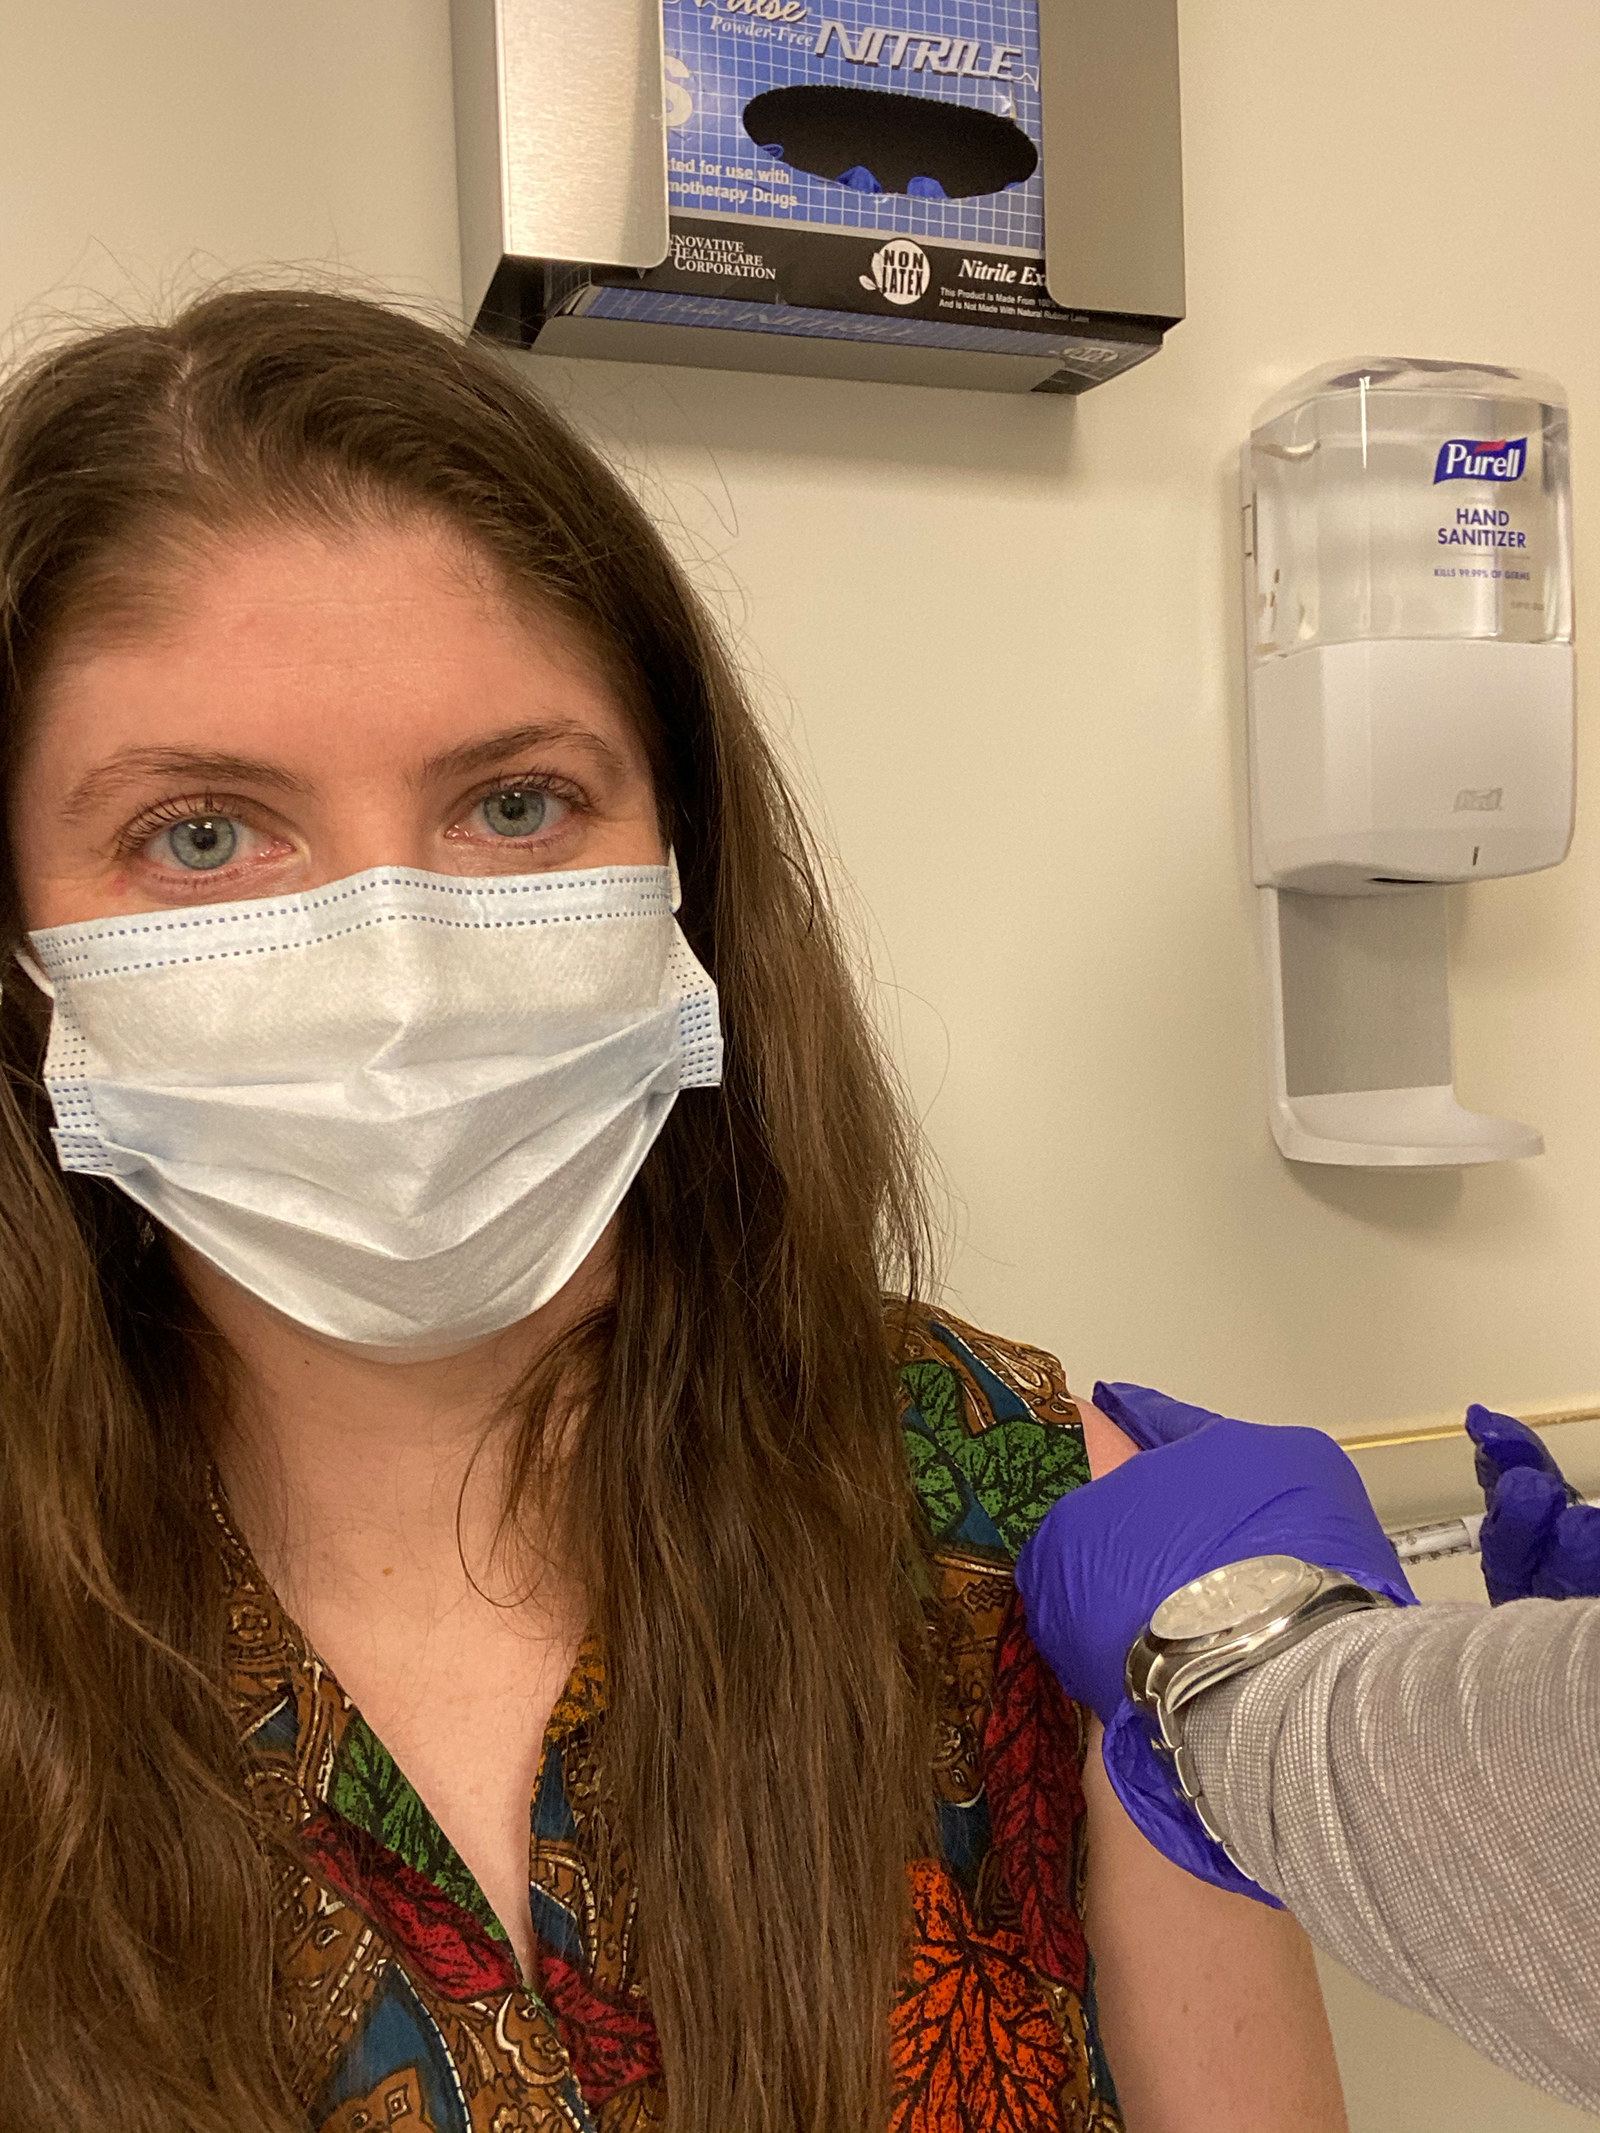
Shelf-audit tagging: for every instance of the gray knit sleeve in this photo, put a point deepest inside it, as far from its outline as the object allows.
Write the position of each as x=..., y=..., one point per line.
x=1422, y=1789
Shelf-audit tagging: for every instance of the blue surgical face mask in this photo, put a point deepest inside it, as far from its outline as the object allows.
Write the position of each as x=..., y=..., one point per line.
x=401, y=1108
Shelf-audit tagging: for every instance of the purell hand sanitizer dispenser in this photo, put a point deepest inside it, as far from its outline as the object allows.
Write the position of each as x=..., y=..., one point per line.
x=1408, y=592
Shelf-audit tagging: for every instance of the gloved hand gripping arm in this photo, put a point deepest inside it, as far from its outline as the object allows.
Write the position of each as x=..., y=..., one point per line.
x=1205, y=1490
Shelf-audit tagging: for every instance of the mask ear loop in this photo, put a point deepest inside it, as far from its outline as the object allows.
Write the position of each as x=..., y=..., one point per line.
x=30, y=968
x=674, y=885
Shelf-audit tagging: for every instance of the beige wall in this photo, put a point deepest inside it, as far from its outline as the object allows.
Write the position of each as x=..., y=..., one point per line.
x=1003, y=635
x=1001, y=638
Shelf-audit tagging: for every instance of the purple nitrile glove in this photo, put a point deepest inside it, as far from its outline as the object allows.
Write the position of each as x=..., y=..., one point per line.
x=1205, y=1490
x=1537, y=1542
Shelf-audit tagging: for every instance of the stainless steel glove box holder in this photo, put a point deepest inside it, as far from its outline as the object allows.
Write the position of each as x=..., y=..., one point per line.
x=561, y=130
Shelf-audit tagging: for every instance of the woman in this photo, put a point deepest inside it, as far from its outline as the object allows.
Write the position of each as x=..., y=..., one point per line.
x=411, y=1410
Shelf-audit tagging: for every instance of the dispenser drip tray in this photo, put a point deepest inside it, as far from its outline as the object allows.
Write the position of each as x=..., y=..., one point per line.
x=1362, y=1066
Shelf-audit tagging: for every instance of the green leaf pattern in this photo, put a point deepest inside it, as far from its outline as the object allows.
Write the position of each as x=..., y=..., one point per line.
x=1019, y=1469
x=1014, y=1470
x=937, y=1484
x=369, y=1790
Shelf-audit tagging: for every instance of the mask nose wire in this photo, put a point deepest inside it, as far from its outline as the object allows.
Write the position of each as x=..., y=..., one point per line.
x=30, y=968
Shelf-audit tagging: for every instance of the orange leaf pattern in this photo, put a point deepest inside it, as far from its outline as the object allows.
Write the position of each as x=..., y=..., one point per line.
x=976, y=2044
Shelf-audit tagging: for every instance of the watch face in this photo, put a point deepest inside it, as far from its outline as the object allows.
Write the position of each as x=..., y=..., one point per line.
x=1227, y=1598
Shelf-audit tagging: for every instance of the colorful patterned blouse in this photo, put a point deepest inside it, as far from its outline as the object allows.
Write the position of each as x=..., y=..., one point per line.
x=404, y=1999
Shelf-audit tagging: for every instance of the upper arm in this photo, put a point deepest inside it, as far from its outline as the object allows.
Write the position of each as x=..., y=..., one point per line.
x=1106, y=1445
x=1209, y=2005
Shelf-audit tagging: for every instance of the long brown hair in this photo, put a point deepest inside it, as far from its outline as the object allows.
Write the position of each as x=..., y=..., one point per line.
x=737, y=1486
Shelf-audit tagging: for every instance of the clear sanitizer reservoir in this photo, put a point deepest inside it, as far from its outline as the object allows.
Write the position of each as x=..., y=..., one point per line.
x=1408, y=584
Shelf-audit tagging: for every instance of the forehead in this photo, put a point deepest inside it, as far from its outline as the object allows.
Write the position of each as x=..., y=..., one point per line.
x=394, y=636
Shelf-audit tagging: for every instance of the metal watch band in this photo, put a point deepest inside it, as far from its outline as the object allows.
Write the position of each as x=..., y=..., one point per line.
x=1163, y=1676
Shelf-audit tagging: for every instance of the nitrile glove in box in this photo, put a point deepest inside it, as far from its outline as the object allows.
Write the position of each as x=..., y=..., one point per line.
x=856, y=188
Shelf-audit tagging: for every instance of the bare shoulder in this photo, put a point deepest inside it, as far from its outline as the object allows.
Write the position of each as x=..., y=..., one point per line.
x=1105, y=1443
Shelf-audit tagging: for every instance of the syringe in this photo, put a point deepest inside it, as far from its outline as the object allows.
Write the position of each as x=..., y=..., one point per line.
x=1445, y=1536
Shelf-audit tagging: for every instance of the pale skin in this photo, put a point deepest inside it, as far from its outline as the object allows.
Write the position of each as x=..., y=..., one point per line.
x=312, y=706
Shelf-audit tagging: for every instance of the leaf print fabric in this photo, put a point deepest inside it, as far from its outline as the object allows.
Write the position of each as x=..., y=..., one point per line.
x=994, y=2027
x=1033, y=1759
x=975, y=2043
x=612, y=2045
x=399, y=1985
x=368, y=1790
x=985, y=1480
x=396, y=2098
x=446, y=1946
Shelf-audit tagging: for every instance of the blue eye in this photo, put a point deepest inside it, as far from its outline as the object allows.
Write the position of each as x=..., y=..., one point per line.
x=202, y=842
x=518, y=810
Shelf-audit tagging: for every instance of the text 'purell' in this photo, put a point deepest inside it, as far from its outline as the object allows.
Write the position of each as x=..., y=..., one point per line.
x=1472, y=459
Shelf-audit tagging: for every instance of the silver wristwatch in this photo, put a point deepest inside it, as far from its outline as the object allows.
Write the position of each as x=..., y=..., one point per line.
x=1220, y=1625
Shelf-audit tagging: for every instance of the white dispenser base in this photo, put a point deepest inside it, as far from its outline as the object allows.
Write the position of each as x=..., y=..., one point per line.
x=1427, y=760
x=1360, y=1049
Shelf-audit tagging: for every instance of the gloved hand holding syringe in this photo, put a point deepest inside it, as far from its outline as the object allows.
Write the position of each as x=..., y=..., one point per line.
x=1538, y=1538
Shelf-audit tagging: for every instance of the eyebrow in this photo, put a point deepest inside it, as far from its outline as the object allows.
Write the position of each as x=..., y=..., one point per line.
x=495, y=747
x=129, y=765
